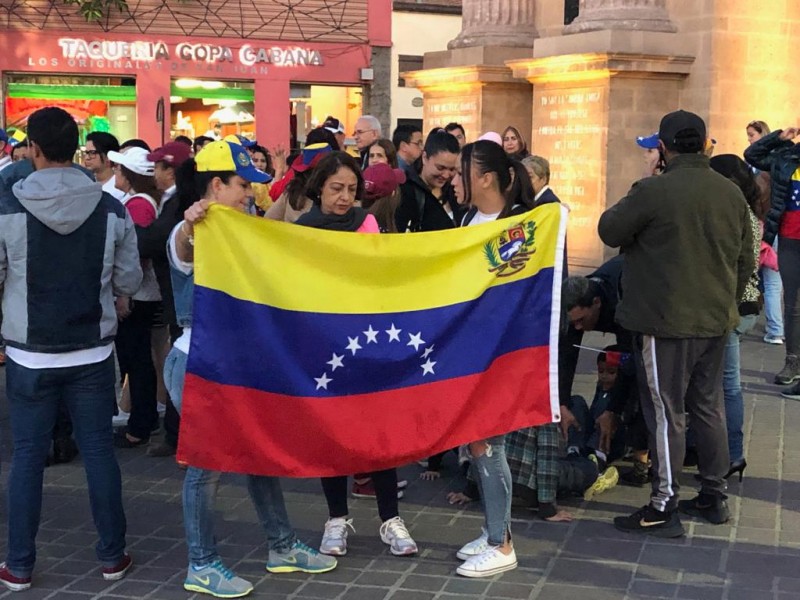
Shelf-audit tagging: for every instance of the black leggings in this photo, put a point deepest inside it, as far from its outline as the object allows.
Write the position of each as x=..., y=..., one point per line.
x=789, y=265
x=135, y=359
x=385, y=482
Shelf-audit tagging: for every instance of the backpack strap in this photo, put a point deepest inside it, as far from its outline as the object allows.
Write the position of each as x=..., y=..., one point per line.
x=469, y=216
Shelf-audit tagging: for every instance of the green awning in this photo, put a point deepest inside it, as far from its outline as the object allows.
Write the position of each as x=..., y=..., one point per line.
x=108, y=93
x=233, y=94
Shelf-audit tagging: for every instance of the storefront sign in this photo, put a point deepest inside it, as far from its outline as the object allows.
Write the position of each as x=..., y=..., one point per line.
x=99, y=53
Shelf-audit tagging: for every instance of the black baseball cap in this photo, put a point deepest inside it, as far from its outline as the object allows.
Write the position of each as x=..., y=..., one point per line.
x=681, y=121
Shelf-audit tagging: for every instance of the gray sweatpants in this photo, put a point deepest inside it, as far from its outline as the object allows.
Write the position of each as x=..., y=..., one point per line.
x=677, y=376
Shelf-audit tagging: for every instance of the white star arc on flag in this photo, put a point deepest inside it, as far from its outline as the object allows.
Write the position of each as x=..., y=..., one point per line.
x=394, y=333
x=428, y=367
x=353, y=346
x=415, y=340
x=336, y=362
x=322, y=382
x=371, y=335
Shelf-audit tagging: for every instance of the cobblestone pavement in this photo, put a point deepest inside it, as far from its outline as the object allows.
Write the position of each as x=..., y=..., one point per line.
x=756, y=556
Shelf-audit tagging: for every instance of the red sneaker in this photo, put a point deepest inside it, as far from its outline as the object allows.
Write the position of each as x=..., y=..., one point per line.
x=12, y=582
x=364, y=490
x=119, y=570
x=367, y=490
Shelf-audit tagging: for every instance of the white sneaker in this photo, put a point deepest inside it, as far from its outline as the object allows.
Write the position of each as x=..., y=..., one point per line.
x=121, y=419
x=474, y=547
x=491, y=562
x=334, y=540
x=394, y=533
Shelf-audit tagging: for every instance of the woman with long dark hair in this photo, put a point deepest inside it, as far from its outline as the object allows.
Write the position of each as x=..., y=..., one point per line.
x=135, y=176
x=496, y=187
x=735, y=169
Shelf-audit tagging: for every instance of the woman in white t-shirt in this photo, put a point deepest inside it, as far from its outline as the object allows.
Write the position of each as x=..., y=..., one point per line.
x=495, y=186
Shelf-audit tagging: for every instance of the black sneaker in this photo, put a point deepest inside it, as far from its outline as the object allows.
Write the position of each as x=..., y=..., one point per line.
x=790, y=372
x=793, y=393
x=638, y=476
x=649, y=521
x=711, y=507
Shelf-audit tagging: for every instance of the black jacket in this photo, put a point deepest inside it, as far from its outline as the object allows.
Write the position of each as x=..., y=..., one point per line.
x=780, y=158
x=153, y=246
x=609, y=278
x=420, y=210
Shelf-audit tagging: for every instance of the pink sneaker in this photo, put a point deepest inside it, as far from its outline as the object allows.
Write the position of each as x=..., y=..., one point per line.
x=119, y=570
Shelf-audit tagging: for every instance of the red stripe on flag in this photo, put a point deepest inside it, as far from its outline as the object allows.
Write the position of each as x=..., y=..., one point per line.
x=235, y=429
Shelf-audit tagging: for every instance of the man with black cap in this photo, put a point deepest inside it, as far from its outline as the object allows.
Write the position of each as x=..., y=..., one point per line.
x=687, y=243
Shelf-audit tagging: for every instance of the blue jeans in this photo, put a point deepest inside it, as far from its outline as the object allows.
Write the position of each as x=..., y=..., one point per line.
x=494, y=481
x=199, y=498
x=33, y=398
x=174, y=372
x=732, y=388
x=587, y=439
x=200, y=491
x=773, y=294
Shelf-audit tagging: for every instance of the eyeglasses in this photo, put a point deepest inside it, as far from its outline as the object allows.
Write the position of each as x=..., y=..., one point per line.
x=362, y=131
x=91, y=152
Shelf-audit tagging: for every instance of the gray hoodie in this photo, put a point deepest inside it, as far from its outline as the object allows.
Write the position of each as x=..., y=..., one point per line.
x=66, y=249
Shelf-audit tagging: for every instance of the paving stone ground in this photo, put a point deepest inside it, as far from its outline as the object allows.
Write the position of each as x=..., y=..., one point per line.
x=755, y=557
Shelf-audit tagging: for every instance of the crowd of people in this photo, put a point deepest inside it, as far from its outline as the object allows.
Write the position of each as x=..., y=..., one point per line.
x=97, y=263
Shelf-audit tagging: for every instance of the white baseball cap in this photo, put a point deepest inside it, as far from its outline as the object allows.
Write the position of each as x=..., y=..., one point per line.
x=134, y=159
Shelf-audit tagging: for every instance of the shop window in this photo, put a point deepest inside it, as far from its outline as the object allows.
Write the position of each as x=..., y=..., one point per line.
x=198, y=105
x=96, y=103
x=312, y=104
x=571, y=9
x=407, y=62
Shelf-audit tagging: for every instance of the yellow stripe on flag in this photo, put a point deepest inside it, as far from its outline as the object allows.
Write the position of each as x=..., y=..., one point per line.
x=333, y=272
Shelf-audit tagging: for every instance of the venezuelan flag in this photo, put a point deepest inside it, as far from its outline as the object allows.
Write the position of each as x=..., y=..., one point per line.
x=318, y=353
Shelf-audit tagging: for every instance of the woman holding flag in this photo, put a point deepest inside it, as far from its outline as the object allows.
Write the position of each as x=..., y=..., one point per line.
x=495, y=186
x=222, y=172
x=334, y=188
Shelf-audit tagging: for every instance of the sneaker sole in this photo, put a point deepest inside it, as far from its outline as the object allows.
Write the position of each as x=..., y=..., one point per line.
x=296, y=569
x=787, y=381
x=790, y=396
x=495, y=571
x=672, y=532
x=333, y=552
x=117, y=576
x=189, y=587
x=16, y=587
x=409, y=552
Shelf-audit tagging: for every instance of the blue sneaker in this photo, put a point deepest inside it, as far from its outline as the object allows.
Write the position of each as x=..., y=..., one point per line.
x=216, y=580
x=300, y=558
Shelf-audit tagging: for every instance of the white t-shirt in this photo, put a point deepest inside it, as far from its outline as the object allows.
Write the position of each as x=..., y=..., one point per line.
x=480, y=218
x=112, y=189
x=43, y=360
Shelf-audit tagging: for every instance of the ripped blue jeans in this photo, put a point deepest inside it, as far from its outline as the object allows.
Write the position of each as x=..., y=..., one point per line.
x=494, y=481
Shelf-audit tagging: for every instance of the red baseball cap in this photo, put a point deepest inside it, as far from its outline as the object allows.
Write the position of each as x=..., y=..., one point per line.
x=381, y=180
x=173, y=153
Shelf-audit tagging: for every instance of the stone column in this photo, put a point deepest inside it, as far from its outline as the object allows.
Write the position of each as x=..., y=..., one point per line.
x=645, y=15
x=507, y=23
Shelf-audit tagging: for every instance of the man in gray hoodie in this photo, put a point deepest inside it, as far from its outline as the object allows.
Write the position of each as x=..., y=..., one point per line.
x=66, y=249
